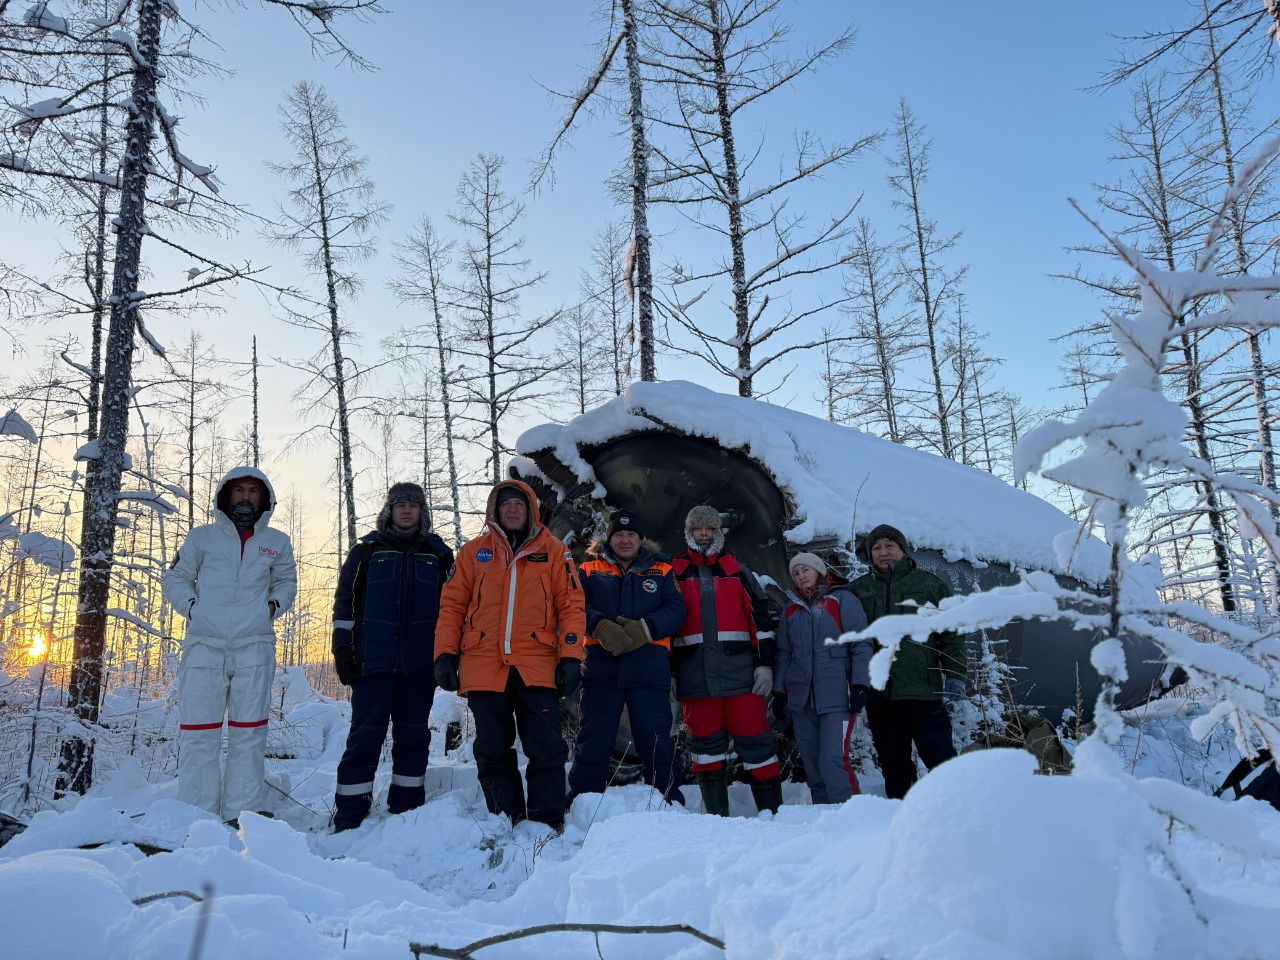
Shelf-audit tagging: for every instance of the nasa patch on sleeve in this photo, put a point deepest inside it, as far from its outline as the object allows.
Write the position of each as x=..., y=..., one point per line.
x=484, y=555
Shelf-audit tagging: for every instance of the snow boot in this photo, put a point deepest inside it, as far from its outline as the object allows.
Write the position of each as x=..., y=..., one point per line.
x=350, y=810
x=767, y=795
x=715, y=792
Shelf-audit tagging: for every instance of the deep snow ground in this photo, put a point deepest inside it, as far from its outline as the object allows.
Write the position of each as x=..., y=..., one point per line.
x=983, y=860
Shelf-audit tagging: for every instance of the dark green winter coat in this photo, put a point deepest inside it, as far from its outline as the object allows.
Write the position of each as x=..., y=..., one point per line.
x=917, y=670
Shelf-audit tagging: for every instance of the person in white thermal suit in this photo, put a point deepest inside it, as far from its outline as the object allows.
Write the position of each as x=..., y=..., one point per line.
x=230, y=579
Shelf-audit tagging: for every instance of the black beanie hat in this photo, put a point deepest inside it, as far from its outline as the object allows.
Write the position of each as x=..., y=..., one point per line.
x=509, y=493
x=622, y=520
x=886, y=532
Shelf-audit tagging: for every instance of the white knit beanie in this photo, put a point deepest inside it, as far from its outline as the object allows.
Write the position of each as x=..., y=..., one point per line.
x=808, y=560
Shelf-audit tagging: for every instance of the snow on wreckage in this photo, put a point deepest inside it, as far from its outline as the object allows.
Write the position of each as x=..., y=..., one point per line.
x=787, y=481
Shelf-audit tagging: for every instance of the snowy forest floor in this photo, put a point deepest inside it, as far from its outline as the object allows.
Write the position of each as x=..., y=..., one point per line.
x=983, y=860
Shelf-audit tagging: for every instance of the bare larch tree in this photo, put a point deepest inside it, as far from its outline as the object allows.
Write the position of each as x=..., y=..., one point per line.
x=423, y=257
x=331, y=213
x=931, y=283
x=719, y=58
x=502, y=367
x=883, y=339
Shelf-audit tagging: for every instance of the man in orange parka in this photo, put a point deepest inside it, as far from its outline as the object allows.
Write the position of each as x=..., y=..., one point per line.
x=507, y=639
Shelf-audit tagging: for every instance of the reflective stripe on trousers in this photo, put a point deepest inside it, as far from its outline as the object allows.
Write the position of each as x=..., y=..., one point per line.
x=726, y=636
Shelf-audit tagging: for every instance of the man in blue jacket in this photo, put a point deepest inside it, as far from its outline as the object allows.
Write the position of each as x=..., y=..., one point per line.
x=384, y=624
x=633, y=607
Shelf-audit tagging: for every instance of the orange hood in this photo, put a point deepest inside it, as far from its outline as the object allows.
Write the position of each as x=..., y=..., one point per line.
x=491, y=506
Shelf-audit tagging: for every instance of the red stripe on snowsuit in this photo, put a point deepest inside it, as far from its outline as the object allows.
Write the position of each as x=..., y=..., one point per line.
x=246, y=723
x=713, y=720
x=848, y=760
x=200, y=726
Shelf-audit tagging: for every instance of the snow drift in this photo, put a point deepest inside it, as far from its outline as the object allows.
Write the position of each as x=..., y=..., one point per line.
x=945, y=874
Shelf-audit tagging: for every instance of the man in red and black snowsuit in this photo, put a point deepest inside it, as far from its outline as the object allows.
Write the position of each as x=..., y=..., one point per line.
x=723, y=662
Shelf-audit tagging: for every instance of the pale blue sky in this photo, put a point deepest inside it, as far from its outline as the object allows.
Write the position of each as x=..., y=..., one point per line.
x=1000, y=84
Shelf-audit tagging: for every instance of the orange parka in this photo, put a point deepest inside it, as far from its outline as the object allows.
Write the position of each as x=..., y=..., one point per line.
x=505, y=608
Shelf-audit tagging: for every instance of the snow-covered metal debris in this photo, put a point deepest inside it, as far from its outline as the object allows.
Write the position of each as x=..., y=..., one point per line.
x=838, y=481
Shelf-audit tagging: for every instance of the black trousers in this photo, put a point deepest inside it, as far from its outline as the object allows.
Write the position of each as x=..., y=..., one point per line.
x=405, y=702
x=895, y=726
x=534, y=713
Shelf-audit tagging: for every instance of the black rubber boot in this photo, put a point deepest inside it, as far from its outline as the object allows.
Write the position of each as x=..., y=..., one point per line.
x=768, y=795
x=350, y=810
x=715, y=792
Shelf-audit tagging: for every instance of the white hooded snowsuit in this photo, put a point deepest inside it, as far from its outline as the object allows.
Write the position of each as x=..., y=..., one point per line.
x=229, y=653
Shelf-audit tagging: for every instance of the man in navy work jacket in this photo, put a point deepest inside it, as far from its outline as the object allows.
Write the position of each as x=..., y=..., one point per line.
x=633, y=607
x=384, y=624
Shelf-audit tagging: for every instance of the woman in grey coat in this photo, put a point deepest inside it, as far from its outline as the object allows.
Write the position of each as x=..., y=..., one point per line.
x=826, y=684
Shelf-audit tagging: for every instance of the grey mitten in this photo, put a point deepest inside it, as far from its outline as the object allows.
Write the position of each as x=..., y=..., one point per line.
x=953, y=689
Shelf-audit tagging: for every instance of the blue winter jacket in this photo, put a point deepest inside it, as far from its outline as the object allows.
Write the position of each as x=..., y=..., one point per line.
x=387, y=602
x=810, y=670
x=647, y=591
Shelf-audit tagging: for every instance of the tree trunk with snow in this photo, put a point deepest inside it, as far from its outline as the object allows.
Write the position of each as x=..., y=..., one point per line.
x=97, y=258
x=639, y=195
x=103, y=475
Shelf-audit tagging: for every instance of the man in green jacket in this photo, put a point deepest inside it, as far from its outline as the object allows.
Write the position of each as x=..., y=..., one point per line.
x=924, y=676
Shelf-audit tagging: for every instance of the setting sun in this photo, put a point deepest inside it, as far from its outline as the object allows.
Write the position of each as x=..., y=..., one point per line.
x=39, y=645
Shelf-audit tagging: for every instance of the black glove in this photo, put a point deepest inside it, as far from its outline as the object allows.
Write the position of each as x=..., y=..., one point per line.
x=778, y=707
x=344, y=662
x=568, y=676
x=857, y=697
x=447, y=672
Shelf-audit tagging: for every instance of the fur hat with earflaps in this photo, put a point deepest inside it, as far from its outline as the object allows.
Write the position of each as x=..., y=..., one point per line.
x=704, y=515
x=404, y=492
